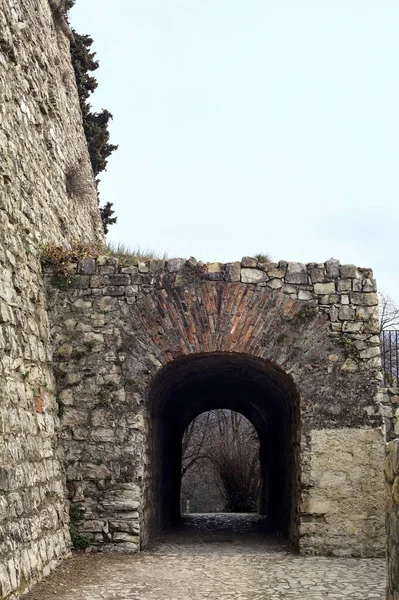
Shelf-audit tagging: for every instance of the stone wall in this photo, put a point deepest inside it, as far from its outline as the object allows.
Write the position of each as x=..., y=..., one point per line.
x=392, y=517
x=120, y=325
x=42, y=152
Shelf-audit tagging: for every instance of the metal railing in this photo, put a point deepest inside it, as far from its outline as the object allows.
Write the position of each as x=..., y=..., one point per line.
x=390, y=357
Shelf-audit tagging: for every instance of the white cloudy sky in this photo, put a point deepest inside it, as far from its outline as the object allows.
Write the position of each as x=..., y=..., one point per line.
x=264, y=126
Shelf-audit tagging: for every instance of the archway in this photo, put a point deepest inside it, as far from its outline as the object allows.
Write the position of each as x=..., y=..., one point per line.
x=260, y=391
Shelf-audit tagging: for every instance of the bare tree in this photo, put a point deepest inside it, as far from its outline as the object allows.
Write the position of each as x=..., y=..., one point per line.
x=222, y=446
x=389, y=313
x=389, y=335
x=193, y=442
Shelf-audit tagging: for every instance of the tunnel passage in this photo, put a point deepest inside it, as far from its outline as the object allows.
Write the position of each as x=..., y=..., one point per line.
x=257, y=389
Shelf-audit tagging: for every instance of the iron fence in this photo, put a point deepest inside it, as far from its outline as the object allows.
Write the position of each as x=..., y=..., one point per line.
x=390, y=357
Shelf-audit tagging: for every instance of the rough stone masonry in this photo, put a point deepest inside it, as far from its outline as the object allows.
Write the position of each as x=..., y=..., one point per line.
x=125, y=338
x=41, y=141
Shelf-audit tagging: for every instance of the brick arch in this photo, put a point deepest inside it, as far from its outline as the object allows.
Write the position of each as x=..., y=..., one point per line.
x=226, y=317
x=262, y=327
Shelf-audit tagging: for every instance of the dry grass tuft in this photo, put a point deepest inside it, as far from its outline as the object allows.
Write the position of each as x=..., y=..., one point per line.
x=130, y=256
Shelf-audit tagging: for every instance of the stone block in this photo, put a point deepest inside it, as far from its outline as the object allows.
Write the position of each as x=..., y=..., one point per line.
x=275, y=284
x=82, y=282
x=119, y=279
x=98, y=281
x=304, y=295
x=370, y=352
x=350, y=272
x=213, y=276
x=144, y=267
x=276, y=273
x=249, y=262
x=346, y=313
x=103, y=434
x=332, y=268
x=129, y=526
x=296, y=273
x=175, y=264
x=329, y=299
x=82, y=304
x=107, y=261
x=5, y=479
x=88, y=266
x=369, y=285
x=357, y=285
x=253, y=276
x=364, y=299
x=114, y=291
x=74, y=417
x=350, y=366
x=232, y=272
x=289, y=289
x=95, y=472
x=120, y=536
x=317, y=276
x=364, y=313
x=120, y=505
x=214, y=267
x=64, y=350
x=156, y=265
x=324, y=288
x=92, y=526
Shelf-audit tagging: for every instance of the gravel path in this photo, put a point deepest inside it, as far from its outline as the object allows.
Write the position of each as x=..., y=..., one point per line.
x=214, y=557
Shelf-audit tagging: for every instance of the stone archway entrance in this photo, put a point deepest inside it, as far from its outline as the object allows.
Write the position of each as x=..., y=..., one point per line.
x=263, y=393
x=139, y=350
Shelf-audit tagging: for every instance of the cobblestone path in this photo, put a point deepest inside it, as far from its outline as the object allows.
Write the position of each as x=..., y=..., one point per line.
x=214, y=558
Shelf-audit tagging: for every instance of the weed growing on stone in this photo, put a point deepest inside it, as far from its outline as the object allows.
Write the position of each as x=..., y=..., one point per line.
x=306, y=313
x=78, y=354
x=79, y=541
x=111, y=386
x=62, y=281
x=348, y=345
x=89, y=344
x=59, y=257
x=61, y=407
x=131, y=256
x=264, y=258
x=76, y=183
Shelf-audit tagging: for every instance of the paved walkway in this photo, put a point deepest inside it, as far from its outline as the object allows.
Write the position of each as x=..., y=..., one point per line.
x=214, y=558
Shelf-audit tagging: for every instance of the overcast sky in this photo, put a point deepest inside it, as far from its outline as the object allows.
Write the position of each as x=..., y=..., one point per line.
x=257, y=126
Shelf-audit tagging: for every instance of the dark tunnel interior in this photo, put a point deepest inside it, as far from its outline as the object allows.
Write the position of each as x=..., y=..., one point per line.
x=257, y=389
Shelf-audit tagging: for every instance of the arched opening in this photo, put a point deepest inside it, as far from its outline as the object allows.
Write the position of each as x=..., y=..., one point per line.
x=257, y=389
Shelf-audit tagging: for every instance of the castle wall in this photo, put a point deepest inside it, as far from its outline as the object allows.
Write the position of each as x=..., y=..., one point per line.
x=392, y=517
x=42, y=149
x=116, y=327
